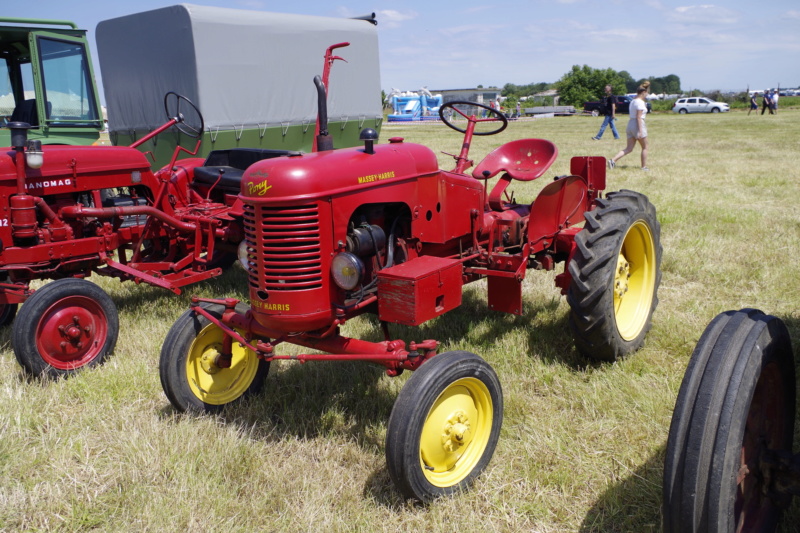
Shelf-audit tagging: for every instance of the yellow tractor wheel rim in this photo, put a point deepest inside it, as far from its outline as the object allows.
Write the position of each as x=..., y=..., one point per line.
x=634, y=280
x=456, y=432
x=212, y=383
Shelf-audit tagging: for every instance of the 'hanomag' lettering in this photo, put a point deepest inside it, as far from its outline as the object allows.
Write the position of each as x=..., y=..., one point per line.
x=53, y=183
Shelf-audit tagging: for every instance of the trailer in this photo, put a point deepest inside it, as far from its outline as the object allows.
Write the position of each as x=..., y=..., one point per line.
x=250, y=72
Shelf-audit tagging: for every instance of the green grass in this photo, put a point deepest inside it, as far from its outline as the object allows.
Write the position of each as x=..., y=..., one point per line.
x=582, y=445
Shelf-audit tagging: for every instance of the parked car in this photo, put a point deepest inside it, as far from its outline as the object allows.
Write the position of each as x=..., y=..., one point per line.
x=698, y=104
x=623, y=103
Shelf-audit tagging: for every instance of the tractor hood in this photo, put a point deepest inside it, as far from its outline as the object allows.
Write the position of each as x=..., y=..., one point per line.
x=335, y=172
x=65, y=166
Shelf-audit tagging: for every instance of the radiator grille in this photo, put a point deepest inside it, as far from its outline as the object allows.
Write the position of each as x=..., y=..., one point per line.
x=283, y=247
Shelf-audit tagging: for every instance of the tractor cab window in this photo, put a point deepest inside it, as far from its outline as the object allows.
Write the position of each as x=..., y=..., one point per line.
x=68, y=87
x=6, y=91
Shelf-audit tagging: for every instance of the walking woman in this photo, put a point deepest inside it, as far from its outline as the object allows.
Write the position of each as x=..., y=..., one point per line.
x=637, y=129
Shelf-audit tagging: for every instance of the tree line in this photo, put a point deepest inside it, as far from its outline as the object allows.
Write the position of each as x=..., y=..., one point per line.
x=584, y=83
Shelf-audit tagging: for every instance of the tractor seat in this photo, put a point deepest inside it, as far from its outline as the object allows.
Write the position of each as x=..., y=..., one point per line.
x=26, y=112
x=523, y=160
x=232, y=163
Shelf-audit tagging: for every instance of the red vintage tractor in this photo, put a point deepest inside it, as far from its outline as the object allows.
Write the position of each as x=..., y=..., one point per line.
x=72, y=211
x=381, y=229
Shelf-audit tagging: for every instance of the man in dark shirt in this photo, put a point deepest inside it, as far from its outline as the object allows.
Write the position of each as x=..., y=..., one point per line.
x=610, y=112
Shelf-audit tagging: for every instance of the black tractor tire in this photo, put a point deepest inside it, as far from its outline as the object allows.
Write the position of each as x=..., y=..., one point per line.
x=616, y=271
x=190, y=377
x=737, y=401
x=444, y=426
x=67, y=325
x=7, y=314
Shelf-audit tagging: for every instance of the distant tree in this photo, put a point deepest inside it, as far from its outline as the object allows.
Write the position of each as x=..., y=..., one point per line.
x=583, y=84
x=672, y=84
x=630, y=83
x=511, y=90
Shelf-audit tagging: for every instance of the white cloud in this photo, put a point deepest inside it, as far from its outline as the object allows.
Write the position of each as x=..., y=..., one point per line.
x=703, y=14
x=393, y=18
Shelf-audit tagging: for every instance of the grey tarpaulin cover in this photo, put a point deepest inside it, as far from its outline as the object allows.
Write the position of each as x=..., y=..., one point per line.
x=241, y=68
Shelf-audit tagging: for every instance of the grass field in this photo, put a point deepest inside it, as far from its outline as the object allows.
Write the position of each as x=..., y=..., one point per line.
x=582, y=444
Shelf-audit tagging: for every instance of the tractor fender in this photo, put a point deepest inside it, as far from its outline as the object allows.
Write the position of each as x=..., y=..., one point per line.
x=559, y=205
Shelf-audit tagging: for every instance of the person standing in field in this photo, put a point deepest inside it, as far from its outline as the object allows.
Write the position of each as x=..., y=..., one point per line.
x=610, y=112
x=766, y=102
x=637, y=129
x=753, y=104
x=775, y=97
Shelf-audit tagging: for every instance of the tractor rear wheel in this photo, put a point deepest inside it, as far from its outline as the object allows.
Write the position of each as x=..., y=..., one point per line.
x=736, y=405
x=65, y=326
x=191, y=374
x=444, y=426
x=615, y=273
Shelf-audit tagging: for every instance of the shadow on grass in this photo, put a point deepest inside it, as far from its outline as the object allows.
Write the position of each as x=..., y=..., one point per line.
x=633, y=503
x=355, y=400
x=231, y=283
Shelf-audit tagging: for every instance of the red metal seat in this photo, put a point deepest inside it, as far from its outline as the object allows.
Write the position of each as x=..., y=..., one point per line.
x=524, y=160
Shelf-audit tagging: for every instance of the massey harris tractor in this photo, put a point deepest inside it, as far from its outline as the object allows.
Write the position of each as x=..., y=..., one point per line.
x=381, y=229
x=729, y=464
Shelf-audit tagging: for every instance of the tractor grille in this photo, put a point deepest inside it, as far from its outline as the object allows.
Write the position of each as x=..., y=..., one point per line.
x=283, y=247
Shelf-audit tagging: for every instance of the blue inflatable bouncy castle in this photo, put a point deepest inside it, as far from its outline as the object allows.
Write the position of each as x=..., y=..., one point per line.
x=413, y=106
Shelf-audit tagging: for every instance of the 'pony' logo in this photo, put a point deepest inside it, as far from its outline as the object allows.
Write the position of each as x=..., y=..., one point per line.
x=258, y=189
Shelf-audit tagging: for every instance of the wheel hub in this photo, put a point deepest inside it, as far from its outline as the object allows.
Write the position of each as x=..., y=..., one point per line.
x=72, y=337
x=208, y=361
x=456, y=432
x=623, y=274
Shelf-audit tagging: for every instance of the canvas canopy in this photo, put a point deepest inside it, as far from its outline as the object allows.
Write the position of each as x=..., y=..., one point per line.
x=243, y=69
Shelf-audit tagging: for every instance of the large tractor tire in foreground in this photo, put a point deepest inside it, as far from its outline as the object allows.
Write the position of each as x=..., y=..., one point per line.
x=194, y=377
x=615, y=273
x=735, y=410
x=67, y=325
x=444, y=426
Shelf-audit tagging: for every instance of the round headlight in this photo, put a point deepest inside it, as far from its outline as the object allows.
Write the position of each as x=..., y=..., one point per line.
x=244, y=257
x=347, y=270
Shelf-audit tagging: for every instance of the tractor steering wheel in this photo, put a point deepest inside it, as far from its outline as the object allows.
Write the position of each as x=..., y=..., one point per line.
x=192, y=125
x=494, y=116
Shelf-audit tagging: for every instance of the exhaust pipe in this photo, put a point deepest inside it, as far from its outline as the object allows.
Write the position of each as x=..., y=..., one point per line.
x=324, y=140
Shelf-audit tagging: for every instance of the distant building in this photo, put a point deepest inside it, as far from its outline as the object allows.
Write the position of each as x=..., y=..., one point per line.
x=479, y=95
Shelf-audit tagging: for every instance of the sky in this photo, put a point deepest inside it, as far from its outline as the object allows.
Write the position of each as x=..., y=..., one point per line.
x=729, y=45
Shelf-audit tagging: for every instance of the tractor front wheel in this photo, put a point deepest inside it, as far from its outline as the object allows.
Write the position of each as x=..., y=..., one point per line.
x=444, y=426
x=615, y=273
x=734, y=414
x=196, y=375
x=65, y=326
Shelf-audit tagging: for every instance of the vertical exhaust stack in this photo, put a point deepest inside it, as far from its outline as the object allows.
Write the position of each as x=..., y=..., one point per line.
x=324, y=141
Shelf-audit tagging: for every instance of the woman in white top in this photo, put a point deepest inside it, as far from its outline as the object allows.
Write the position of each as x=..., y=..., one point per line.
x=637, y=129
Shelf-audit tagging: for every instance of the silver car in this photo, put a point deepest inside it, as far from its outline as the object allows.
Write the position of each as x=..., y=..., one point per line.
x=698, y=104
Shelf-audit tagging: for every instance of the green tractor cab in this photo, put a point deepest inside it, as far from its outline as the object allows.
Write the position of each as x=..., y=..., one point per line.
x=46, y=80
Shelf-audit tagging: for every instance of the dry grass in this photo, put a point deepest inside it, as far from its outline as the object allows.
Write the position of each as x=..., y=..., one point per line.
x=582, y=445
